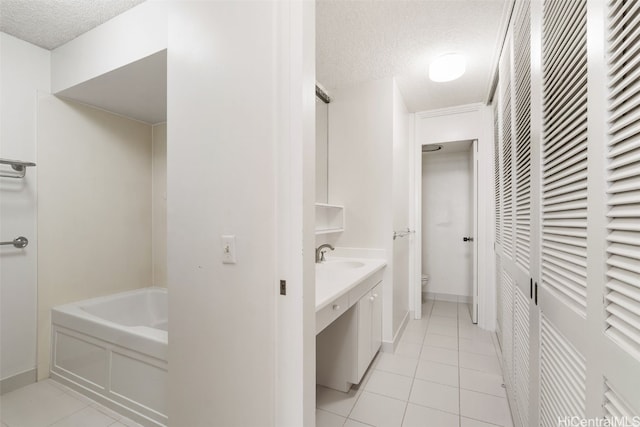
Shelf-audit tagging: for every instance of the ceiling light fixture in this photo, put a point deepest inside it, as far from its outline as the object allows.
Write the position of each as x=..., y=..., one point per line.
x=447, y=67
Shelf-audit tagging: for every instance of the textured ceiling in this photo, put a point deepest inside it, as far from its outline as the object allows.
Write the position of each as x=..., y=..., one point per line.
x=358, y=41
x=52, y=23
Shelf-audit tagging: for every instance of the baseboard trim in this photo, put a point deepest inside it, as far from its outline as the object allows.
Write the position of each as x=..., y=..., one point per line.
x=390, y=346
x=17, y=381
x=436, y=296
x=106, y=402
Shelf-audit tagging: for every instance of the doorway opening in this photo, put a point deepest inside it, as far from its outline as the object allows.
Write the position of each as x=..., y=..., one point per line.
x=448, y=252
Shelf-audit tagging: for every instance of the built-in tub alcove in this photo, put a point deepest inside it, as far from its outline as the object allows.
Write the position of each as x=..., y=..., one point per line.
x=137, y=90
x=102, y=228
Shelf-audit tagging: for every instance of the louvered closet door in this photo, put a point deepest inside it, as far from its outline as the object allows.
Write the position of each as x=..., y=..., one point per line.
x=515, y=235
x=497, y=180
x=562, y=376
x=622, y=289
x=507, y=331
x=506, y=153
x=505, y=250
x=564, y=211
x=523, y=303
x=497, y=183
x=522, y=133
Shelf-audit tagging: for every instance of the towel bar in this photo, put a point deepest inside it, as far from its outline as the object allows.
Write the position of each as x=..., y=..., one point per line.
x=18, y=242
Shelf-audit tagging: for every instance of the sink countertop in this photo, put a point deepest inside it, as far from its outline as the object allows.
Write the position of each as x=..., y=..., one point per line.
x=333, y=281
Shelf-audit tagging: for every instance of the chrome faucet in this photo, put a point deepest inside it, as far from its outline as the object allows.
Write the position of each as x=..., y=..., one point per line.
x=321, y=250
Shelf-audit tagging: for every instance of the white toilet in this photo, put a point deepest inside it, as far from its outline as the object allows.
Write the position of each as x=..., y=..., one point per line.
x=425, y=281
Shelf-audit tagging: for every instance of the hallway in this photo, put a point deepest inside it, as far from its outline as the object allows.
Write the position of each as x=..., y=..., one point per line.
x=445, y=373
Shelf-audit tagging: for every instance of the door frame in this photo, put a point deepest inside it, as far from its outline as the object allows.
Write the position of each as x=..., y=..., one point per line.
x=465, y=122
x=473, y=229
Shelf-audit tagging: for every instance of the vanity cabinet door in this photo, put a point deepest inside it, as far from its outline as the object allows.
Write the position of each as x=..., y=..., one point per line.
x=365, y=311
x=376, y=320
x=369, y=328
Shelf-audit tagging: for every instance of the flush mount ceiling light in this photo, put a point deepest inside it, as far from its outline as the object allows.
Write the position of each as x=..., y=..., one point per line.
x=447, y=67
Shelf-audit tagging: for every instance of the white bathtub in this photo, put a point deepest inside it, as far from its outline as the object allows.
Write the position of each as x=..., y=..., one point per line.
x=114, y=350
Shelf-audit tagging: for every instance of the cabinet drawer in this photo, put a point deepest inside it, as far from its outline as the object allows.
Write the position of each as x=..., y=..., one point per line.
x=331, y=312
x=360, y=290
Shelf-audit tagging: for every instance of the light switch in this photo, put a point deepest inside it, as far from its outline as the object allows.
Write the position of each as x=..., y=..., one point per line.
x=229, y=249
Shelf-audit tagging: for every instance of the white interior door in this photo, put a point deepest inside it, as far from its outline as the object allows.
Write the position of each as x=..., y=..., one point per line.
x=416, y=224
x=474, y=230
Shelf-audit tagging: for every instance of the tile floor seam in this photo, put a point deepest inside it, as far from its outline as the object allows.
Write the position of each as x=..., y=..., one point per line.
x=395, y=373
x=435, y=409
x=481, y=392
x=484, y=372
x=322, y=409
x=413, y=380
x=355, y=403
x=482, y=421
x=351, y=419
x=459, y=387
x=72, y=413
x=385, y=395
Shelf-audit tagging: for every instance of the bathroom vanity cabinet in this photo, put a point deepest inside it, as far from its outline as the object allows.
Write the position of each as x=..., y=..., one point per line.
x=369, y=329
x=346, y=346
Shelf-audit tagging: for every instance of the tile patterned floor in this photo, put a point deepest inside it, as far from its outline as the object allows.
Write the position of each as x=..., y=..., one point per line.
x=50, y=404
x=445, y=373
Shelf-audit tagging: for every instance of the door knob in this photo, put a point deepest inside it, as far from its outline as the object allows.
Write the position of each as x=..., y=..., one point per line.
x=467, y=239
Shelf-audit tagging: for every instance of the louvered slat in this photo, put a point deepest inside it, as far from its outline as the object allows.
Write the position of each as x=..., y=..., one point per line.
x=507, y=163
x=507, y=327
x=622, y=299
x=618, y=408
x=564, y=152
x=521, y=354
x=522, y=122
x=499, y=300
x=562, y=377
x=496, y=165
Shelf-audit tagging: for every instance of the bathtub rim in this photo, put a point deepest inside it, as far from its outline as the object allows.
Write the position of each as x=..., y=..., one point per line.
x=146, y=340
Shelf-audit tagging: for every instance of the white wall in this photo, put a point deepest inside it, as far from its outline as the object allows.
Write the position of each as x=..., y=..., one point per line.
x=360, y=174
x=457, y=124
x=94, y=208
x=159, y=204
x=369, y=175
x=361, y=162
x=221, y=179
x=401, y=195
x=24, y=70
x=446, y=218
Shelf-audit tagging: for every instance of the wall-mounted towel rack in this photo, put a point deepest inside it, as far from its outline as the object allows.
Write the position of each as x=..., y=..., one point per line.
x=18, y=166
x=18, y=242
x=402, y=233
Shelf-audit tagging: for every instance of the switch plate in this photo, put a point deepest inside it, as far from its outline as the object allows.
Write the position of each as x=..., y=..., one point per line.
x=283, y=287
x=228, y=249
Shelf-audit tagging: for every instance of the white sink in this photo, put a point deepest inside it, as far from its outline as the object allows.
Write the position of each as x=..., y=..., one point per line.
x=340, y=265
x=337, y=276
